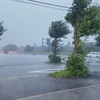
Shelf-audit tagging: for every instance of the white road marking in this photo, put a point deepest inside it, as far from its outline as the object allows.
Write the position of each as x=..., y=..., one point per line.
x=75, y=89
x=10, y=78
x=35, y=73
x=44, y=71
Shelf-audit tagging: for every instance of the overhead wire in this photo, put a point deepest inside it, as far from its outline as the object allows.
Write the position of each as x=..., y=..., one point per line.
x=50, y=4
x=39, y=3
x=47, y=6
x=58, y=5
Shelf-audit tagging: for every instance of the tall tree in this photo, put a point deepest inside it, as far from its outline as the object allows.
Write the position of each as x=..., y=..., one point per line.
x=57, y=30
x=85, y=20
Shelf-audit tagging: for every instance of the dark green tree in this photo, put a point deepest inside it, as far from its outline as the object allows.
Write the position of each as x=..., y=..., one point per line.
x=57, y=30
x=2, y=29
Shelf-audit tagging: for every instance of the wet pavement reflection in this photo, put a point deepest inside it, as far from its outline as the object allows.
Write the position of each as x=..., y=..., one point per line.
x=27, y=75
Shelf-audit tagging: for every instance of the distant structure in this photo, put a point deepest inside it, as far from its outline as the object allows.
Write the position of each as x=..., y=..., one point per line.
x=1, y=51
x=46, y=41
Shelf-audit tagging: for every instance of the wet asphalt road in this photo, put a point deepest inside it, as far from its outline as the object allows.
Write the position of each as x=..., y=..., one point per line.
x=82, y=93
x=22, y=87
x=25, y=79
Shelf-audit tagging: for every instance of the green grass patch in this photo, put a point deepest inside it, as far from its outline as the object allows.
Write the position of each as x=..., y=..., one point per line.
x=68, y=74
x=60, y=74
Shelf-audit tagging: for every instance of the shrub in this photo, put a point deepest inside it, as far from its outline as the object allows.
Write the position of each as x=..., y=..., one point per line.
x=54, y=59
x=59, y=74
x=75, y=65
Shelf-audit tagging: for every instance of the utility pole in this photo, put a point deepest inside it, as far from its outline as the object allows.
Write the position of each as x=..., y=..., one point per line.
x=47, y=42
x=42, y=43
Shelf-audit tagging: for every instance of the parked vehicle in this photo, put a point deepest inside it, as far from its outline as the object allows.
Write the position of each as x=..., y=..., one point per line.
x=94, y=54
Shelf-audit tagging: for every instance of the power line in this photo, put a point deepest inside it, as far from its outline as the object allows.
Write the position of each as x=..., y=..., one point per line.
x=45, y=4
x=48, y=4
x=41, y=5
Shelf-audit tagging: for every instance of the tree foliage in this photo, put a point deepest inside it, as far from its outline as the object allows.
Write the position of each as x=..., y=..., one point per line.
x=85, y=20
x=85, y=17
x=89, y=24
x=10, y=47
x=57, y=30
x=77, y=11
x=2, y=29
x=28, y=48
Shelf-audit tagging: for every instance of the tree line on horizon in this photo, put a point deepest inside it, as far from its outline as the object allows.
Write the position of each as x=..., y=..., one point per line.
x=92, y=46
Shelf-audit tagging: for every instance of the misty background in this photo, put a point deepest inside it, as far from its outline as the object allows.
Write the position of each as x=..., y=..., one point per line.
x=28, y=24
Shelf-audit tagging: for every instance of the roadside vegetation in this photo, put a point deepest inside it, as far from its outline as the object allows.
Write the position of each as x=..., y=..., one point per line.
x=2, y=29
x=84, y=17
x=85, y=20
x=57, y=30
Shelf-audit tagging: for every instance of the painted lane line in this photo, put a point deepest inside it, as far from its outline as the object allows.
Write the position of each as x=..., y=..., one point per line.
x=44, y=70
x=68, y=90
x=10, y=78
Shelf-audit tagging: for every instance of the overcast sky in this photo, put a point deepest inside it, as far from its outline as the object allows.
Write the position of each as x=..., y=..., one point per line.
x=28, y=24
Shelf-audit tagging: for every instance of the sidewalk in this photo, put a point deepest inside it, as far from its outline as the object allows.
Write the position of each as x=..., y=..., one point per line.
x=83, y=93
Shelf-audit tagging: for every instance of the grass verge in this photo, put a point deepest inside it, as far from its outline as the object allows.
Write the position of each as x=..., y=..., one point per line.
x=67, y=74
